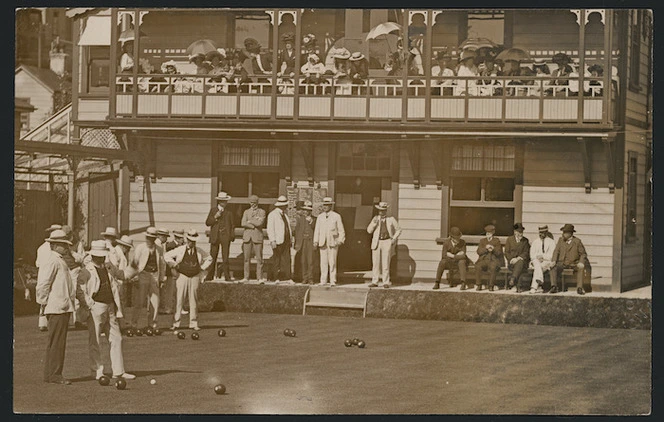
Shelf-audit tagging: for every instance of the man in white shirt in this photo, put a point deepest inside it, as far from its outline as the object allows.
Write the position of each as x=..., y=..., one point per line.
x=43, y=255
x=329, y=234
x=148, y=262
x=385, y=231
x=541, y=253
x=281, y=239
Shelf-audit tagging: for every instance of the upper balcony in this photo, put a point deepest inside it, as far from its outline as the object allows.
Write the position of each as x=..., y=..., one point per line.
x=456, y=67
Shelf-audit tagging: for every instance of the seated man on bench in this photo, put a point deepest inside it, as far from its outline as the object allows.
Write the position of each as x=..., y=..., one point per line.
x=517, y=253
x=491, y=258
x=569, y=253
x=541, y=254
x=454, y=256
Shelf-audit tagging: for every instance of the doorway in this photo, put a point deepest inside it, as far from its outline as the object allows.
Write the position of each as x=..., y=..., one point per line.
x=102, y=203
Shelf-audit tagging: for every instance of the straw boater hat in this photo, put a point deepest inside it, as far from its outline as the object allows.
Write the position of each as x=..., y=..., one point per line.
x=455, y=233
x=98, y=248
x=163, y=232
x=519, y=227
x=126, y=241
x=308, y=206
x=381, y=205
x=192, y=235
x=53, y=227
x=490, y=228
x=342, y=54
x=569, y=228
x=356, y=56
x=543, y=229
x=110, y=231
x=223, y=196
x=58, y=236
x=178, y=233
x=151, y=232
x=281, y=201
x=328, y=201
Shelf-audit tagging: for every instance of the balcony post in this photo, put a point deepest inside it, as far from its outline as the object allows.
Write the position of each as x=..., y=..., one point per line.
x=427, y=65
x=608, y=66
x=275, y=61
x=113, y=67
x=582, y=62
x=298, y=53
x=137, y=48
x=404, y=66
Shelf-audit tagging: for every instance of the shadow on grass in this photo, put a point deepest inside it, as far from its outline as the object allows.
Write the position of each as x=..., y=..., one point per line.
x=139, y=374
x=225, y=326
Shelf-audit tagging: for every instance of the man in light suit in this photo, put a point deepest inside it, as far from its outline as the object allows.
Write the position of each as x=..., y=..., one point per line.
x=125, y=244
x=110, y=236
x=56, y=292
x=541, y=253
x=191, y=262
x=43, y=255
x=98, y=290
x=329, y=234
x=281, y=239
x=253, y=221
x=149, y=262
x=385, y=232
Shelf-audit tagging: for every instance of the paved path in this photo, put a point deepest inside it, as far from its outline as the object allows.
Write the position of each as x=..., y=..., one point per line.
x=420, y=367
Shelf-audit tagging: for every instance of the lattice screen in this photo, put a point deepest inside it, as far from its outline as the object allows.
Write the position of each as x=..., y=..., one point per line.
x=101, y=138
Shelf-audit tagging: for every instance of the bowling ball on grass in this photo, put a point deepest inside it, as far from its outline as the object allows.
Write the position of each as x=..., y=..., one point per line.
x=104, y=380
x=219, y=389
x=182, y=335
x=120, y=384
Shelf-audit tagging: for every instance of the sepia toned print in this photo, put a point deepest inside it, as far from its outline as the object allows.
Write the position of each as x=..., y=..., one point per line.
x=289, y=211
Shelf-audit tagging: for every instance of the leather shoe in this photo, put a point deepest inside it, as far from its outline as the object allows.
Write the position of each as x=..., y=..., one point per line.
x=492, y=288
x=580, y=291
x=62, y=381
x=478, y=287
x=373, y=285
x=436, y=285
x=43, y=329
x=554, y=289
x=463, y=287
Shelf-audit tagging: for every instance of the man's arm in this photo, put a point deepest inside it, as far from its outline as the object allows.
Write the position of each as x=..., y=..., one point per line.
x=373, y=224
x=481, y=248
x=582, y=252
x=170, y=257
x=245, y=220
x=525, y=250
x=45, y=278
x=316, y=231
x=397, y=229
x=342, y=232
x=81, y=290
x=211, y=218
x=259, y=220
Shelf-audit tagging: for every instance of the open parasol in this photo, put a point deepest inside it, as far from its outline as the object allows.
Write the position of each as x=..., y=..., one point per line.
x=516, y=54
x=200, y=47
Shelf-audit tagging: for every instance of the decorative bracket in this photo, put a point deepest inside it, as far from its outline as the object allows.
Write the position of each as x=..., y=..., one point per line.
x=130, y=13
x=589, y=12
x=287, y=12
x=434, y=14
x=608, y=147
x=437, y=155
x=411, y=13
x=413, y=149
x=73, y=162
x=586, y=164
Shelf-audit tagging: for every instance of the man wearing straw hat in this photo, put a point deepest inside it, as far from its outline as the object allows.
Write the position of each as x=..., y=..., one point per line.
x=56, y=292
x=124, y=246
x=304, y=242
x=43, y=255
x=162, y=238
x=385, y=231
x=329, y=234
x=98, y=289
x=148, y=261
x=191, y=263
x=222, y=228
x=253, y=221
x=178, y=240
x=541, y=254
x=74, y=262
x=281, y=239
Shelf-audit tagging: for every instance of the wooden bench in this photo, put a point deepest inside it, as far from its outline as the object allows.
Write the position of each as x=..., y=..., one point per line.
x=335, y=298
x=528, y=272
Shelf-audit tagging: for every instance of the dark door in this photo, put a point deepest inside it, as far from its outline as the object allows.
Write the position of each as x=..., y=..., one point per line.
x=355, y=197
x=102, y=203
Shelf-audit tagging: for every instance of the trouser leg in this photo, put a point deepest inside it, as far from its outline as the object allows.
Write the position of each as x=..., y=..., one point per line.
x=324, y=264
x=247, y=248
x=193, y=301
x=141, y=297
x=307, y=252
x=284, y=261
x=258, y=254
x=375, y=265
x=214, y=251
x=96, y=321
x=332, y=263
x=225, y=252
x=461, y=266
x=181, y=293
x=153, y=294
x=538, y=274
x=555, y=270
x=441, y=269
x=58, y=325
x=115, y=342
x=517, y=269
x=579, y=276
x=480, y=266
x=493, y=266
x=385, y=247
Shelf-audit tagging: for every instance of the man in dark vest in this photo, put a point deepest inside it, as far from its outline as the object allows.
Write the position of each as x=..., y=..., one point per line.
x=454, y=258
x=517, y=253
x=490, y=259
x=220, y=221
x=569, y=253
x=304, y=242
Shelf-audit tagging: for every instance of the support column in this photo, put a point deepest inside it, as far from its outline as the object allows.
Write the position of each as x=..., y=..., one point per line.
x=71, y=190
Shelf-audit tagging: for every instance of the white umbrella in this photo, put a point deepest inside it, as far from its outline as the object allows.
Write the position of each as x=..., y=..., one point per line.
x=383, y=29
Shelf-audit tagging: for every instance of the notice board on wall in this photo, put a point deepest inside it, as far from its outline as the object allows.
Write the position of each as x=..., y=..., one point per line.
x=305, y=193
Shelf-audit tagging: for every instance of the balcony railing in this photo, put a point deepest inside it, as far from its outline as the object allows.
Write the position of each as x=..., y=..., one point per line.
x=502, y=99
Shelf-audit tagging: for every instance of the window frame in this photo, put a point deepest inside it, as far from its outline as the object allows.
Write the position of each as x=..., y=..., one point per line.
x=89, y=58
x=632, y=197
x=635, y=33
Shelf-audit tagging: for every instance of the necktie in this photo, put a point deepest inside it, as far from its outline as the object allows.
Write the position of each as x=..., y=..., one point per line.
x=542, y=245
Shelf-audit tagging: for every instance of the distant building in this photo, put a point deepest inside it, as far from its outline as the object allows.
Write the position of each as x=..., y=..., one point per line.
x=22, y=110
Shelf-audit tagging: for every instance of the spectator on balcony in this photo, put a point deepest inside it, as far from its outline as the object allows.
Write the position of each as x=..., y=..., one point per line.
x=442, y=69
x=127, y=58
x=238, y=76
x=541, y=71
x=358, y=68
x=341, y=76
x=310, y=46
x=488, y=69
x=331, y=59
x=562, y=72
x=573, y=85
x=597, y=86
x=216, y=59
x=261, y=63
x=286, y=58
x=199, y=61
x=312, y=70
x=467, y=68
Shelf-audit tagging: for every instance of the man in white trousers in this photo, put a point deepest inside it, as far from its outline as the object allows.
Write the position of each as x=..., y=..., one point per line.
x=192, y=264
x=98, y=290
x=281, y=238
x=385, y=231
x=43, y=255
x=329, y=234
x=541, y=254
x=148, y=261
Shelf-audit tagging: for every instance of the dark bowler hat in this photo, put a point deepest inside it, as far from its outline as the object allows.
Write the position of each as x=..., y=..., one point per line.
x=519, y=227
x=490, y=228
x=568, y=228
x=455, y=233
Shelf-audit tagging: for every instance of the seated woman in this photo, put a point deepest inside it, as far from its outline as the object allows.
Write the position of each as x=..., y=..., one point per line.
x=541, y=71
x=238, y=76
x=573, y=84
x=286, y=57
x=442, y=69
x=313, y=71
x=596, y=86
x=563, y=71
x=487, y=68
x=216, y=58
x=466, y=68
x=166, y=83
x=341, y=77
x=358, y=68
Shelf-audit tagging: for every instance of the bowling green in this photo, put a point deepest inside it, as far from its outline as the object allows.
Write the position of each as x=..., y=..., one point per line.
x=407, y=367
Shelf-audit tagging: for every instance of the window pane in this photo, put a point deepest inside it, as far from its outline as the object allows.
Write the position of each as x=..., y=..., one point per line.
x=384, y=163
x=372, y=163
x=99, y=73
x=265, y=185
x=235, y=156
x=471, y=221
x=265, y=157
x=467, y=188
x=499, y=189
x=358, y=163
x=344, y=163
x=235, y=183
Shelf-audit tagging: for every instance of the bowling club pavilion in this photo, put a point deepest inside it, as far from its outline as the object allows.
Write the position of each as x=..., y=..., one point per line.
x=440, y=157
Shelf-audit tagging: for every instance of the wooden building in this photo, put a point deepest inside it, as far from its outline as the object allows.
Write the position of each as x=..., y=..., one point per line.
x=465, y=154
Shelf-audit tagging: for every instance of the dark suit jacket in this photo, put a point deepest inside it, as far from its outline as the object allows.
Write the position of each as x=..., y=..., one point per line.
x=514, y=249
x=224, y=222
x=266, y=62
x=302, y=227
x=570, y=254
x=361, y=67
x=171, y=245
x=449, y=247
x=496, y=254
x=290, y=62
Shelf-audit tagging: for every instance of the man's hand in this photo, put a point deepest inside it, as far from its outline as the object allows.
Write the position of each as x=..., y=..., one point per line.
x=513, y=261
x=580, y=265
x=251, y=226
x=540, y=258
x=489, y=248
x=273, y=245
x=217, y=215
x=460, y=254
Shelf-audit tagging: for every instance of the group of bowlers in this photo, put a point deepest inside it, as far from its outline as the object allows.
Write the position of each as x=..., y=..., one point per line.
x=542, y=256
x=323, y=234
x=93, y=287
